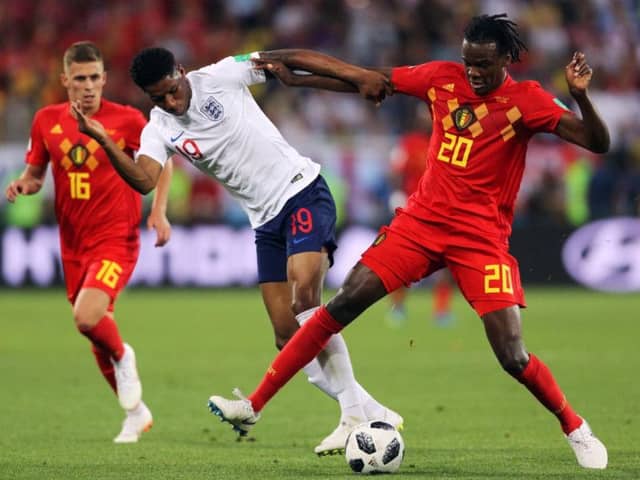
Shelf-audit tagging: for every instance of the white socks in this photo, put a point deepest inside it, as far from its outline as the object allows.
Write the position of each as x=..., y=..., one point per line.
x=137, y=410
x=313, y=369
x=314, y=373
x=331, y=372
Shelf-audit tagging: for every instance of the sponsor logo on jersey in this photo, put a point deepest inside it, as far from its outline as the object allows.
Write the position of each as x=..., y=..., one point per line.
x=78, y=155
x=174, y=139
x=212, y=109
x=379, y=239
x=298, y=176
x=463, y=116
x=242, y=58
x=449, y=87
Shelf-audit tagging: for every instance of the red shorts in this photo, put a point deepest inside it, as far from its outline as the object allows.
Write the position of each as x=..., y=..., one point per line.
x=107, y=270
x=410, y=249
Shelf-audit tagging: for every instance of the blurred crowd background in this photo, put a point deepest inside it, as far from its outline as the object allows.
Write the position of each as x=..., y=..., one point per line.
x=563, y=185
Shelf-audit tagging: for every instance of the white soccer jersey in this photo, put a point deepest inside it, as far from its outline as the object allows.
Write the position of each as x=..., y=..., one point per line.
x=225, y=134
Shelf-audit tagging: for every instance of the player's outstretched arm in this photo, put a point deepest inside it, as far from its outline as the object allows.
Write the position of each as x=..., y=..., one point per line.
x=372, y=84
x=589, y=132
x=303, y=79
x=142, y=175
x=29, y=182
x=158, y=217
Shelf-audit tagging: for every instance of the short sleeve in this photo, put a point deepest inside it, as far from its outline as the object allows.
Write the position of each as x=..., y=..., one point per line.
x=238, y=70
x=151, y=145
x=541, y=110
x=37, y=153
x=414, y=80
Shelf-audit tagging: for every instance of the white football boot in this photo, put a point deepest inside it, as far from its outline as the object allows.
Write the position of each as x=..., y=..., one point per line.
x=392, y=418
x=127, y=379
x=334, y=443
x=239, y=413
x=138, y=420
x=590, y=452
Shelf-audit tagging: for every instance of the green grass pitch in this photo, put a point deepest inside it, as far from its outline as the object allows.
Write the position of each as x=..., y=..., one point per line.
x=464, y=418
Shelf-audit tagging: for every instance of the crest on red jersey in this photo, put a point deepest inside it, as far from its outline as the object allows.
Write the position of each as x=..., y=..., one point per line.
x=463, y=116
x=78, y=155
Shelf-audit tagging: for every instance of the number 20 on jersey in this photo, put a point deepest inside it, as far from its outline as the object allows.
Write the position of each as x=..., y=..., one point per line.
x=455, y=150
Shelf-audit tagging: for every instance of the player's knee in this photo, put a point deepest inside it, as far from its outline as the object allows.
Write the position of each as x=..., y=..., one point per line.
x=82, y=324
x=361, y=289
x=85, y=319
x=514, y=361
x=351, y=300
x=280, y=343
x=305, y=298
x=340, y=302
x=300, y=305
x=282, y=336
x=345, y=306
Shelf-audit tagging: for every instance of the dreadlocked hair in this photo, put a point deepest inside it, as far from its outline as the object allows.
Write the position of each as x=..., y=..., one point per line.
x=498, y=29
x=151, y=65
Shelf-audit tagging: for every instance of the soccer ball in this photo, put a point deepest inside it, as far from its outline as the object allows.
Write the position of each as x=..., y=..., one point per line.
x=374, y=447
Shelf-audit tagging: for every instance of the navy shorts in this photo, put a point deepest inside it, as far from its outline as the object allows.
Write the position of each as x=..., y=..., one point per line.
x=307, y=223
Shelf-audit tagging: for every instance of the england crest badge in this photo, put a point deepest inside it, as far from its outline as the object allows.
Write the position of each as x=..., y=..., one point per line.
x=212, y=109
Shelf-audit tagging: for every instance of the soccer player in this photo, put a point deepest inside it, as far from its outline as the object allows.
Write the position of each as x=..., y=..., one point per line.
x=461, y=214
x=98, y=216
x=210, y=117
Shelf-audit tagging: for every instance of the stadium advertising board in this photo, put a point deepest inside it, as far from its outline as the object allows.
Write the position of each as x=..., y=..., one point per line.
x=605, y=255
x=201, y=256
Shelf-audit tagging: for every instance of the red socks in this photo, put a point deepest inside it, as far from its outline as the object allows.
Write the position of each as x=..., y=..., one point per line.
x=538, y=379
x=106, y=337
x=303, y=347
x=106, y=344
x=103, y=360
x=315, y=333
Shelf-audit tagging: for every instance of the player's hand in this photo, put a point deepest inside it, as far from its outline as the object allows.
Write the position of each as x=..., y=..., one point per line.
x=87, y=125
x=162, y=226
x=578, y=74
x=277, y=68
x=374, y=86
x=20, y=186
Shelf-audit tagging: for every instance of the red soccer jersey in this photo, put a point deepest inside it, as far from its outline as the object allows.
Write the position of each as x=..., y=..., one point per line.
x=477, y=153
x=92, y=202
